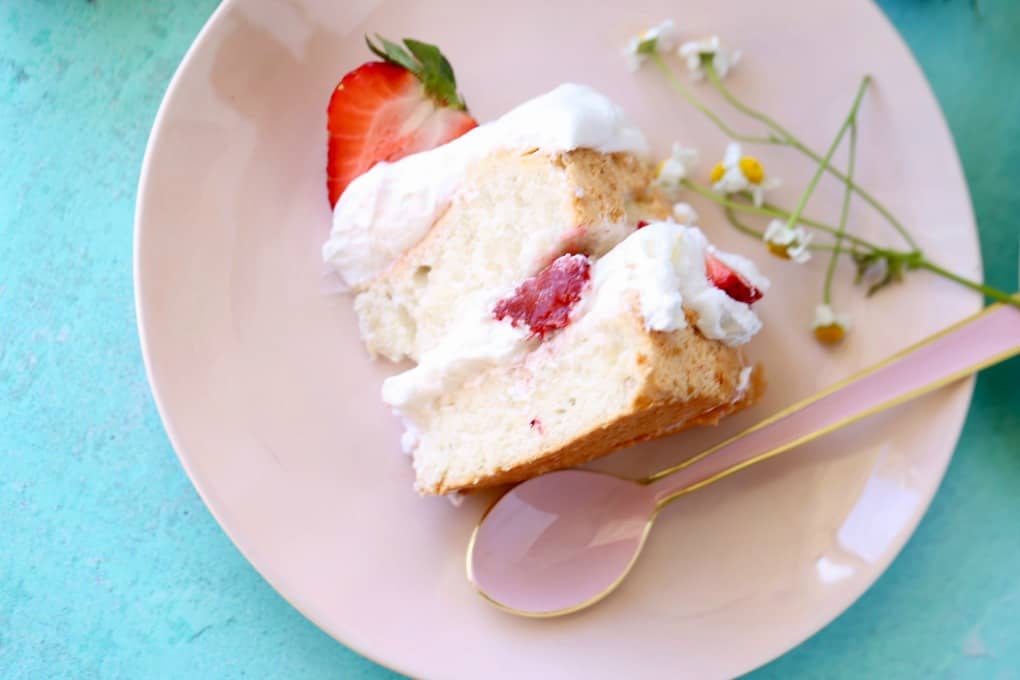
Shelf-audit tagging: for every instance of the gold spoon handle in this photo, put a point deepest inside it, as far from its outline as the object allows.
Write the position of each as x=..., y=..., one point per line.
x=986, y=338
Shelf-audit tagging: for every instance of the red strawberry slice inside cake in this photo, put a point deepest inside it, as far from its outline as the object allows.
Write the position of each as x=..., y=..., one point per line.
x=543, y=302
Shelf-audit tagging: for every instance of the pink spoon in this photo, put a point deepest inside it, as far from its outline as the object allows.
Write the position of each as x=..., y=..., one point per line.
x=563, y=541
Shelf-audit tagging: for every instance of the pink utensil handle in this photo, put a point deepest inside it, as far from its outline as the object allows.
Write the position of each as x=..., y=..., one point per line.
x=990, y=336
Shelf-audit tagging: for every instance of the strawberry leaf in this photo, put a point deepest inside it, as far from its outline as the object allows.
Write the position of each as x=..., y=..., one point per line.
x=436, y=73
x=427, y=54
x=427, y=63
x=446, y=69
x=375, y=49
x=395, y=54
x=432, y=59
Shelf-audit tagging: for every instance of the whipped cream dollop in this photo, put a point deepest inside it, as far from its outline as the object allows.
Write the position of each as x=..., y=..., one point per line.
x=664, y=263
x=387, y=210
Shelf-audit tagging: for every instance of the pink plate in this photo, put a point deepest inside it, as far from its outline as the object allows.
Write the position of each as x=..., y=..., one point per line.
x=273, y=406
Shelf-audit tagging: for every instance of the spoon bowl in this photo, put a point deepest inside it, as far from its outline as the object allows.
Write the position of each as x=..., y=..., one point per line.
x=561, y=542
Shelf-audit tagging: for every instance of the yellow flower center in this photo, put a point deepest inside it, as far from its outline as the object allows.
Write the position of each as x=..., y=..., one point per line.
x=752, y=169
x=778, y=250
x=830, y=334
x=717, y=172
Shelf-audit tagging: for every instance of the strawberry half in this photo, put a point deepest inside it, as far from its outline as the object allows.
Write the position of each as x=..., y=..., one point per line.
x=544, y=301
x=730, y=282
x=385, y=110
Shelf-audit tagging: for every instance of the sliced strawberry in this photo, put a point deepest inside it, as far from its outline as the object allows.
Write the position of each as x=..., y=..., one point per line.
x=543, y=302
x=384, y=110
x=730, y=282
x=642, y=224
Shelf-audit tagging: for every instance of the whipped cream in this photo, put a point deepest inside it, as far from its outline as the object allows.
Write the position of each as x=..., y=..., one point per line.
x=387, y=210
x=743, y=383
x=470, y=348
x=664, y=263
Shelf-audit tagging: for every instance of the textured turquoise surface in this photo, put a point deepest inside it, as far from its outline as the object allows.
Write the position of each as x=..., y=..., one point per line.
x=110, y=566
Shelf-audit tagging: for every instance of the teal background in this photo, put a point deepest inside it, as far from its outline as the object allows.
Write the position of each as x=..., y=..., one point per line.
x=110, y=566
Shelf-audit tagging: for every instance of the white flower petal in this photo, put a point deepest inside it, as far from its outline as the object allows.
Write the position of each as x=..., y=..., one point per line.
x=677, y=167
x=684, y=213
x=665, y=33
x=732, y=156
x=632, y=57
x=794, y=241
x=775, y=232
x=695, y=48
x=825, y=316
x=722, y=59
x=799, y=253
x=757, y=195
x=665, y=36
x=685, y=155
x=732, y=181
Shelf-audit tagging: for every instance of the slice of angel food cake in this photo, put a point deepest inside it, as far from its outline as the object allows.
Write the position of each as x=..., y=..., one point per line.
x=530, y=268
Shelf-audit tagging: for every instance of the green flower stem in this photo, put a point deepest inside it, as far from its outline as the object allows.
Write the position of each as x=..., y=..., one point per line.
x=742, y=227
x=810, y=189
x=696, y=103
x=912, y=258
x=843, y=214
x=769, y=210
x=713, y=77
x=868, y=198
x=791, y=140
x=989, y=291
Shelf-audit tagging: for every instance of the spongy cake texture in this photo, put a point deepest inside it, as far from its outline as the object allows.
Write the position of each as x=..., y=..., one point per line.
x=514, y=213
x=585, y=392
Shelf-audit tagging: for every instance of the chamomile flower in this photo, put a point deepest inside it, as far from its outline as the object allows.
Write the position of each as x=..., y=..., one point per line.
x=708, y=48
x=661, y=37
x=830, y=327
x=737, y=172
x=789, y=243
x=685, y=214
x=673, y=170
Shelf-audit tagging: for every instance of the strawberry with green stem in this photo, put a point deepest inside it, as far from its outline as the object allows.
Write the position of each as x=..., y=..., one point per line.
x=385, y=110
